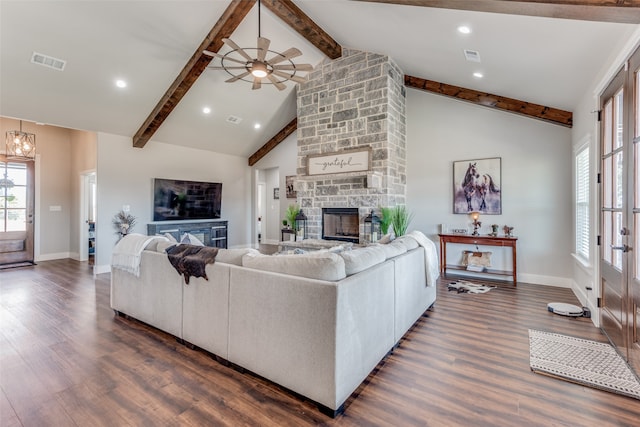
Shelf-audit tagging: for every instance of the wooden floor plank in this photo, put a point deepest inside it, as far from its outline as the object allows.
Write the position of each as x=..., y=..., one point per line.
x=66, y=359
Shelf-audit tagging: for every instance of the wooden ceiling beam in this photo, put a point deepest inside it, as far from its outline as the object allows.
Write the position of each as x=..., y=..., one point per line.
x=273, y=142
x=620, y=11
x=226, y=25
x=541, y=112
x=293, y=16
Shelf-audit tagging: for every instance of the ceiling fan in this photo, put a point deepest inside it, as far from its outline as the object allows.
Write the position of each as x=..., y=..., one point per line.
x=254, y=68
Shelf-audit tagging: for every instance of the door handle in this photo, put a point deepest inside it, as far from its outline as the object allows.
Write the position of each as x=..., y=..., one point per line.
x=623, y=248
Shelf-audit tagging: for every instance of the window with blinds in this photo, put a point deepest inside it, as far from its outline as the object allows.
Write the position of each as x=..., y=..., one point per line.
x=582, y=203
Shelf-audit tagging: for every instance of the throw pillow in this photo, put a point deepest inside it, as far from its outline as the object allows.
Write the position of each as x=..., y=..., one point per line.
x=170, y=237
x=190, y=239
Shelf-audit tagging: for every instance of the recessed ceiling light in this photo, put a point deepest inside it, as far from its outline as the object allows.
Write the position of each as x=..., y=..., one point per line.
x=121, y=83
x=206, y=110
x=463, y=29
x=256, y=126
x=478, y=75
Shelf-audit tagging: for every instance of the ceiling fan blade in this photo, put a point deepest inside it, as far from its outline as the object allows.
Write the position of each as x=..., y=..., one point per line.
x=238, y=77
x=257, y=83
x=226, y=68
x=276, y=83
x=238, y=49
x=295, y=67
x=287, y=54
x=226, y=58
x=263, y=48
x=297, y=79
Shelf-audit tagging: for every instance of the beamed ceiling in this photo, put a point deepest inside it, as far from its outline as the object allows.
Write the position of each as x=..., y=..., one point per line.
x=537, y=56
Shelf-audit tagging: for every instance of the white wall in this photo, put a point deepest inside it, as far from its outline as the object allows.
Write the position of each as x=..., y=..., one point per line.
x=125, y=177
x=536, y=180
x=285, y=158
x=83, y=159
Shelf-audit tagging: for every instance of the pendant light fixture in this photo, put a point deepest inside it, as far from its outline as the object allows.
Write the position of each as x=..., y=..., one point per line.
x=20, y=145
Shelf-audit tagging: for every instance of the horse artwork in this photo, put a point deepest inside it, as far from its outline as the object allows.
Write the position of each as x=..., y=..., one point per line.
x=477, y=186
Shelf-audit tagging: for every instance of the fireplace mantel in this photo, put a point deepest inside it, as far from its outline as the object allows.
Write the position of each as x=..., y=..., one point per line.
x=374, y=179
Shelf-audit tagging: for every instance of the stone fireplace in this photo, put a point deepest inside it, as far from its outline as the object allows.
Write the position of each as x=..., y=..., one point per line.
x=356, y=102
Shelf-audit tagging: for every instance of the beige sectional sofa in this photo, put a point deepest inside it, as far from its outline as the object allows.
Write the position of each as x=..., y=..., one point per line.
x=316, y=323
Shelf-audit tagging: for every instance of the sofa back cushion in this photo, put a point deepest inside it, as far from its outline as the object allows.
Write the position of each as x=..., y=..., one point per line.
x=313, y=265
x=234, y=256
x=362, y=258
x=393, y=249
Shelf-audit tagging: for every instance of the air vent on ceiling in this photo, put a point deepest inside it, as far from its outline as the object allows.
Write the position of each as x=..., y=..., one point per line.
x=48, y=61
x=472, y=55
x=234, y=119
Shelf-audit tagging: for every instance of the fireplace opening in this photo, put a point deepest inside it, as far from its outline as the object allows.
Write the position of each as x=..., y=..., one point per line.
x=341, y=224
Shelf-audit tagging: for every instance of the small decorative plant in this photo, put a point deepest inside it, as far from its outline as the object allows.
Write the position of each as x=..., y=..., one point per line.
x=400, y=219
x=385, y=221
x=291, y=213
x=285, y=223
x=123, y=223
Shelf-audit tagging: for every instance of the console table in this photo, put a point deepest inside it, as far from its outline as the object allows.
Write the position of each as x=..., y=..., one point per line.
x=466, y=239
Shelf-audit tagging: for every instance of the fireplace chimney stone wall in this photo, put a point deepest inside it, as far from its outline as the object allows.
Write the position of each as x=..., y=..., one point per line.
x=354, y=102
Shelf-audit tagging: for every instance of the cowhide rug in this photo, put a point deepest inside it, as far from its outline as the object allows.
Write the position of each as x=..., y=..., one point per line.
x=468, y=287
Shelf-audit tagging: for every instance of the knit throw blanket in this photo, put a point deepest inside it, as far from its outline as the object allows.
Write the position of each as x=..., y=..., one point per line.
x=190, y=260
x=127, y=253
x=430, y=256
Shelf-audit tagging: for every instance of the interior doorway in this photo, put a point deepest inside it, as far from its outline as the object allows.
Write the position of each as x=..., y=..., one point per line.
x=268, y=204
x=87, y=230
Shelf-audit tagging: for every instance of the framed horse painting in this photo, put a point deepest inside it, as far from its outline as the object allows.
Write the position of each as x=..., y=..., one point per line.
x=477, y=186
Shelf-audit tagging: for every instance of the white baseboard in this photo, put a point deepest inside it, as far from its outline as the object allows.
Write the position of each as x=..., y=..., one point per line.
x=585, y=302
x=560, y=282
x=51, y=257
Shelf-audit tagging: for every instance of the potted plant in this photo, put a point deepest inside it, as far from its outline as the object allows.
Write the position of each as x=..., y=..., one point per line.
x=123, y=222
x=285, y=223
x=400, y=219
x=385, y=221
x=291, y=213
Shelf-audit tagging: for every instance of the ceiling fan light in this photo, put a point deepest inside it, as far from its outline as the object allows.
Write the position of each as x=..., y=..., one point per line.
x=259, y=69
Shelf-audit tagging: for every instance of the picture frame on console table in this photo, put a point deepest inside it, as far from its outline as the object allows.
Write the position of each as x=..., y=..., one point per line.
x=357, y=160
x=477, y=186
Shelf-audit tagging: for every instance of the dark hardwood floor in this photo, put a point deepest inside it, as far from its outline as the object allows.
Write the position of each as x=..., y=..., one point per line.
x=66, y=360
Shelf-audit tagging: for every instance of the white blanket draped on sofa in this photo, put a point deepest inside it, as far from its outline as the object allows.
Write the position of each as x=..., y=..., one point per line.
x=128, y=251
x=430, y=256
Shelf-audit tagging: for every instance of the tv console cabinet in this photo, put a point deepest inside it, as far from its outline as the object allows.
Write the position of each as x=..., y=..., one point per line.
x=210, y=232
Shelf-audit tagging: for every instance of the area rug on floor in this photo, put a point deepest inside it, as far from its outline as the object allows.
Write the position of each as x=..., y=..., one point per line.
x=585, y=362
x=472, y=288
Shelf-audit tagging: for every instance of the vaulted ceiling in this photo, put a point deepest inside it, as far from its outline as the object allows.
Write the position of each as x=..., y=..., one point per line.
x=545, y=60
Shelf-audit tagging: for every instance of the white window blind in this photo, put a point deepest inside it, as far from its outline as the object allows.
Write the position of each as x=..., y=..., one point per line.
x=582, y=203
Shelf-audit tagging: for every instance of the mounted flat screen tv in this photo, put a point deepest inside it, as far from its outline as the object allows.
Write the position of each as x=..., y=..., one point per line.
x=175, y=200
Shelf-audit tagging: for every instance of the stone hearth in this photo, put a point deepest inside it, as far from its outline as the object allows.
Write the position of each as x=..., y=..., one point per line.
x=354, y=102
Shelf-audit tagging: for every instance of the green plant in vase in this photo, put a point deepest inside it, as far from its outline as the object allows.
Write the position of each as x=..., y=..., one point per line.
x=291, y=213
x=385, y=221
x=400, y=219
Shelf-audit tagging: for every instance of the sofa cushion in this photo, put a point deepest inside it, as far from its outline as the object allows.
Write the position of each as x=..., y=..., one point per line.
x=393, y=249
x=313, y=265
x=234, y=256
x=408, y=241
x=360, y=259
x=163, y=245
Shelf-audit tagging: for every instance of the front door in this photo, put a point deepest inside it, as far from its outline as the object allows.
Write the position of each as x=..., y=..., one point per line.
x=16, y=210
x=619, y=213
